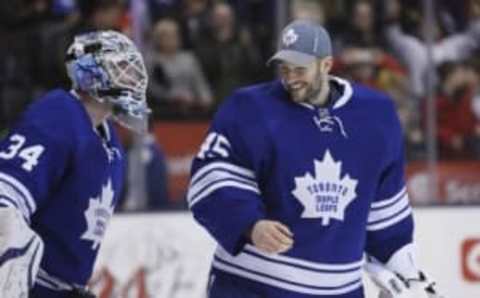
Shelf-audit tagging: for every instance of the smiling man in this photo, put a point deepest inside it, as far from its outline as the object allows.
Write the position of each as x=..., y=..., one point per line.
x=300, y=177
x=305, y=76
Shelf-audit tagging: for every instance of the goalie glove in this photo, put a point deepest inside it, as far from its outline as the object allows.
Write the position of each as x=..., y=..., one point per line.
x=21, y=251
x=393, y=285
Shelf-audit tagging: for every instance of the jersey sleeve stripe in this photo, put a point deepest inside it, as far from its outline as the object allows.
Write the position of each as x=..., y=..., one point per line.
x=21, y=189
x=391, y=221
x=389, y=201
x=317, y=288
x=393, y=215
x=386, y=212
x=215, y=176
x=222, y=165
x=221, y=184
x=289, y=272
x=303, y=263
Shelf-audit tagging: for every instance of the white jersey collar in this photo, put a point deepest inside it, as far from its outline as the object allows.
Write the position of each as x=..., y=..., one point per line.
x=347, y=92
x=340, y=102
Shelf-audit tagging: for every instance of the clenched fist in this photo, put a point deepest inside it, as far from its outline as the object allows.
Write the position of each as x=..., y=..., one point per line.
x=271, y=236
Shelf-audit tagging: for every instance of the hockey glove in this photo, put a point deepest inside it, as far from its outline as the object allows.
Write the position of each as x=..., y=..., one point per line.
x=21, y=251
x=393, y=285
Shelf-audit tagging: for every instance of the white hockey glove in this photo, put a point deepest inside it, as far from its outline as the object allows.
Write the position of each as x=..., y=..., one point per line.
x=21, y=251
x=393, y=285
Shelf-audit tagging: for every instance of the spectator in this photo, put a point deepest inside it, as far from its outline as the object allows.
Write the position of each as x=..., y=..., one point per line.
x=159, y=9
x=194, y=19
x=227, y=54
x=146, y=178
x=310, y=10
x=19, y=21
x=55, y=37
x=413, y=52
x=63, y=7
x=260, y=18
x=360, y=31
x=381, y=71
x=177, y=83
x=458, y=127
x=457, y=15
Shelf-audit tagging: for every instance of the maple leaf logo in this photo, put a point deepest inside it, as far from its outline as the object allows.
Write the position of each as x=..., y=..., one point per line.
x=325, y=195
x=290, y=37
x=99, y=211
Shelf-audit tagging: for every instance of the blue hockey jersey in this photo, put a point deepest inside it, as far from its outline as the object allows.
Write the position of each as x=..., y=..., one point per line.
x=334, y=175
x=65, y=177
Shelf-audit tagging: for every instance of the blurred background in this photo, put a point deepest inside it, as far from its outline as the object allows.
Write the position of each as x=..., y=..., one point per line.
x=424, y=54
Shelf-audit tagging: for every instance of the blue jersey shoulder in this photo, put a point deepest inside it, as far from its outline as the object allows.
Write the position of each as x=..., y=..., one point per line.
x=372, y=98
x=247, y=101
x=55, y=114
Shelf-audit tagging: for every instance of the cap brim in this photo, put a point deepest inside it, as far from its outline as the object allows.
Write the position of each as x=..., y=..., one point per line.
x=292, y=57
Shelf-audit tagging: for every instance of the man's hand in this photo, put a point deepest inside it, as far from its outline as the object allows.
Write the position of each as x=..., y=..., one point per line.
x=271, y=236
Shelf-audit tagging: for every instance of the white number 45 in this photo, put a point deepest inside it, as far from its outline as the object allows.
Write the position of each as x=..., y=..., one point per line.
x=29, y=154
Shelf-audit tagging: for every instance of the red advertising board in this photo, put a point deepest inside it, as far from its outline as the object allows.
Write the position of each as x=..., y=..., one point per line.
x=180, y=142
x=458, y=182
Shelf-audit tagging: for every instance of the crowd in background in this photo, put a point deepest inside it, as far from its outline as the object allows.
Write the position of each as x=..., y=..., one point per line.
x=197, y=51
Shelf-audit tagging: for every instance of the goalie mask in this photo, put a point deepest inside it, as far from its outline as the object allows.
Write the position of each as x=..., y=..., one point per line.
x=107, y=66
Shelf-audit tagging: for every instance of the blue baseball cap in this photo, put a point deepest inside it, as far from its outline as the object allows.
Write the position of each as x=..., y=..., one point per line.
x=302, y=42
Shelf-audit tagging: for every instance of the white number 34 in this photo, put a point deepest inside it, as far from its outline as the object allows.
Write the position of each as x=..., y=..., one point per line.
x=30, y=154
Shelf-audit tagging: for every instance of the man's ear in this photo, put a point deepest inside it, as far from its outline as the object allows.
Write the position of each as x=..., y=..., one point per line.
x=326, y=64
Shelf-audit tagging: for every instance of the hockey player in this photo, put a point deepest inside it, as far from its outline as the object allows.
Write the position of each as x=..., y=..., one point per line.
x=61, y=170
x=298, y=178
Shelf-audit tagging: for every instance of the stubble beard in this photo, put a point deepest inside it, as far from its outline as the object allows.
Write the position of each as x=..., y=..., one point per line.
x=314, y=94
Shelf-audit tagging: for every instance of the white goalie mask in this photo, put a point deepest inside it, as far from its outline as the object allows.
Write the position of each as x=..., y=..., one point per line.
x=107, y=66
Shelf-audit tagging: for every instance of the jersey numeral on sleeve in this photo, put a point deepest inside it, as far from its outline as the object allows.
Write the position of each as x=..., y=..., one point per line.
x=29, y=154
x=214, y=145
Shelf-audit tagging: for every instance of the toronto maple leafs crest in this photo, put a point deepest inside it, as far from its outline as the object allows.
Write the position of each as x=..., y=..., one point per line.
x=289, y=37
x=325, y=195
x=99, y=211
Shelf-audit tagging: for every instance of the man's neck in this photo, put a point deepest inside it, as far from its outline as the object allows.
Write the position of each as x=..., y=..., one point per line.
x=97, y=114
x=97, y=111
x=321, y=98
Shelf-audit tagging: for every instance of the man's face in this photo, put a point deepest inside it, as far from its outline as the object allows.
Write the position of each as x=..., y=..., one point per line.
x=304, y=82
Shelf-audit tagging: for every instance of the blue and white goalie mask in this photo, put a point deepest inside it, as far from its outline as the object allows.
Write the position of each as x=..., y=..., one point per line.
x=107, y=66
